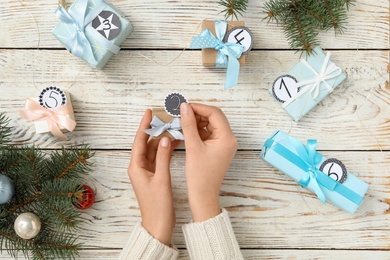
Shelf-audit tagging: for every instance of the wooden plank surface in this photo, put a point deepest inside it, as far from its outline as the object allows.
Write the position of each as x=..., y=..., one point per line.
x=171, y=24
x=267, y=209
x=273, y=217
x=113, y=100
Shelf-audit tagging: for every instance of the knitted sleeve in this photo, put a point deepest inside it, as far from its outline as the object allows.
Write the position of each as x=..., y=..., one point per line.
x=141, y=245
x=212, y=239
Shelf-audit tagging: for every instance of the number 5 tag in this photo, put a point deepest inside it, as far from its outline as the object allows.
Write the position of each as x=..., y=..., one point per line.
x=52, y=97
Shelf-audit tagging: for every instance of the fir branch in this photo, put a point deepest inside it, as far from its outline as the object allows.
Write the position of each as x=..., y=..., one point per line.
x=233, y=8
x=5, y=130
x=24, y=203
x=302, y=20
x=38, y=190
x=70, y=163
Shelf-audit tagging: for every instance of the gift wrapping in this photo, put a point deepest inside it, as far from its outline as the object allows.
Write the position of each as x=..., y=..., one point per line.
x=209, y=55
x=77, y=32
x=55, y=120
x=302, y=163
x=317, y=76
x=168, y=125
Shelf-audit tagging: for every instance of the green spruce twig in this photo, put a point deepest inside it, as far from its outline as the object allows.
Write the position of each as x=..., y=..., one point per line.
x=302, y=20
x=47, y=185
x=233, y=8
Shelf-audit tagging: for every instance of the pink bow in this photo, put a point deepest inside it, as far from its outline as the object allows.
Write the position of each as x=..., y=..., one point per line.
x=55, y=117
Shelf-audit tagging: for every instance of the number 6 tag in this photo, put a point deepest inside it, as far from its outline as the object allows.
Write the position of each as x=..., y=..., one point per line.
x=52, y=97
x=334, y=169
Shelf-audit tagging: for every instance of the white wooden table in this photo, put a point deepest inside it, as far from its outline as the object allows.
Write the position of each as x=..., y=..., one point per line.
x=272, y=216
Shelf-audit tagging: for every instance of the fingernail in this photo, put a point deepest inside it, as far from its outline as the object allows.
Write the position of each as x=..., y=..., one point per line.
x=184, y=108
x=164, y=142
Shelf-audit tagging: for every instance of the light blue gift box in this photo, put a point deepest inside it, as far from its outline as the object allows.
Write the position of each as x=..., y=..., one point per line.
x=76, y=33
x=302, y=164
x=317, y=76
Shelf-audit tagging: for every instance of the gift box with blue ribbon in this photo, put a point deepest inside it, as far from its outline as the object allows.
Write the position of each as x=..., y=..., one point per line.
x=307, y=83
x=92, y=30
x=216, y=52
x=327, y=178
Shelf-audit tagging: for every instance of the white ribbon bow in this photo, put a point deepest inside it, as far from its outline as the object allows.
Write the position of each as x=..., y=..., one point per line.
x=313, y=85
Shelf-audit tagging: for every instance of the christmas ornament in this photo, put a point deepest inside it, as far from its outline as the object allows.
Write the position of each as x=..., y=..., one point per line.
x=56, y=176
x=85, y=198
x=6, y=189
x=27, y=225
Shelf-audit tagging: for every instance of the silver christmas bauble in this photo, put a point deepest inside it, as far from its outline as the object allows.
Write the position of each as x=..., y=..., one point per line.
x=6, y=189
x=27, y=225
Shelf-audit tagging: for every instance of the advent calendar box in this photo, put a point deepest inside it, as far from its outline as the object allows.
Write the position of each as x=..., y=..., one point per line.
x=209, y=55
x=307, y=84
x=328, y=178
x=51, y=111
x=92, y=30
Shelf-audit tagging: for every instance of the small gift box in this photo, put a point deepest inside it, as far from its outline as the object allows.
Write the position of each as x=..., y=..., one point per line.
x=164, y=124
x=223, y=45
x=327, y=178
x=209, y=55
x=166, y=121
x=92, y=30
x=307, y=84
x=51, y=112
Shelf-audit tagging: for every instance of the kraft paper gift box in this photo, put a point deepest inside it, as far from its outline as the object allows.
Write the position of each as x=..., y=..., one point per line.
x=315, y=172
x=56, y=119
x=209, y=55
x=223, y=45
x=175, y=133
x=92, y=30
x=316, y=77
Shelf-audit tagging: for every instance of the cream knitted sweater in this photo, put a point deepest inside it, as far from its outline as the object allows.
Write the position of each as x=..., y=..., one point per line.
x=211, y=239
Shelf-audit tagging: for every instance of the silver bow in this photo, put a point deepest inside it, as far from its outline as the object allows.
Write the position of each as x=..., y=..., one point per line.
x=158, y=127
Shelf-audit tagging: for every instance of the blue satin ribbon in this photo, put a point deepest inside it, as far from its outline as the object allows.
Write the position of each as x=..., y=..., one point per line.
x=78, y=44
x=228, y=53
x=306, y=159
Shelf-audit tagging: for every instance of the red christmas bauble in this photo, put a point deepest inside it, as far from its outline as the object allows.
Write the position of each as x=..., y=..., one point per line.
x=86, y=198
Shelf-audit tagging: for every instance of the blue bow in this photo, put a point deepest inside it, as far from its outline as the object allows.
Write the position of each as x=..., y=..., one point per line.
x=158, y=127
x=78, y=43
x=228, y=53
x=307, y=159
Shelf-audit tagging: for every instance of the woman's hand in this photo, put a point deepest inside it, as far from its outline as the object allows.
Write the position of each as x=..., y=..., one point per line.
x=210, y=148
x=149, y=172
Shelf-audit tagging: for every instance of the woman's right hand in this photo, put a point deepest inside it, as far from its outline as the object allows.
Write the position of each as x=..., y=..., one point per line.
x=210, y=147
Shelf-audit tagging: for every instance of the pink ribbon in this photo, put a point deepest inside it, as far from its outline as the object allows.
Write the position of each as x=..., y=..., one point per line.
x=55, y=117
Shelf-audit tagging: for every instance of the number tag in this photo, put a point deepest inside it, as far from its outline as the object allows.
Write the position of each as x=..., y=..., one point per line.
x=52, y=97
x=285, y=88
x=334, y=169
x=172, y=103
x=240, y=35
x=107, y=24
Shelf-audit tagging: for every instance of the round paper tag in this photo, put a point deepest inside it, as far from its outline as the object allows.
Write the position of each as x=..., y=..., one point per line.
x=334, y=169
x=107, y=24
x=240, y=35
x=284, y=88
x=172, y=103
x=52, y=97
